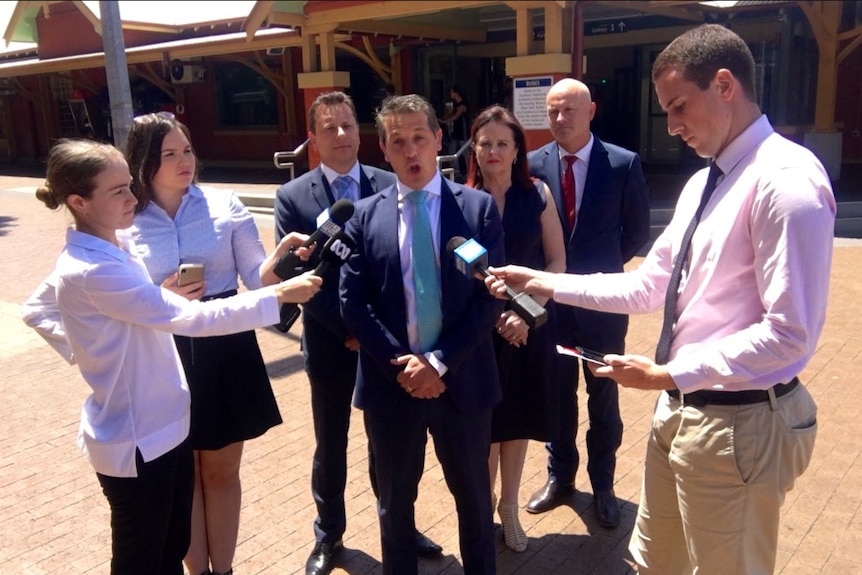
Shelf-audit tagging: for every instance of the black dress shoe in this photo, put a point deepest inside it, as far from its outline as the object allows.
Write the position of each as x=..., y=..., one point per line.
x=425, y=547
x=553, y=494
x=607, y=508
x=322, y=558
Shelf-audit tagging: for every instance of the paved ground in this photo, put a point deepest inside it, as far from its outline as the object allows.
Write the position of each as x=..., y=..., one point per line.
x=53, y=518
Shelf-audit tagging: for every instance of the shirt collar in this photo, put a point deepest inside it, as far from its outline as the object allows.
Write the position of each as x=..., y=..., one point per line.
x=433, y=187
x=582, y=154
x=744, y=144
x=91, y=242
x=331, y=174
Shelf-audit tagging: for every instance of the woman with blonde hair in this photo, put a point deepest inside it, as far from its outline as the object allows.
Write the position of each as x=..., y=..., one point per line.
x=102, y=310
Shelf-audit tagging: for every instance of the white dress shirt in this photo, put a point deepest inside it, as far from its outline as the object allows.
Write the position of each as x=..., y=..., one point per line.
x=117, y=323
x=405, y=227
x=753, y=302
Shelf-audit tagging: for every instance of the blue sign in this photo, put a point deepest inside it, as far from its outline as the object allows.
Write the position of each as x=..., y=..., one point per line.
x=534, y=82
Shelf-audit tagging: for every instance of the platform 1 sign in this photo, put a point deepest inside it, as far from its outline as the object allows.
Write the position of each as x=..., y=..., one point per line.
x=529, y=101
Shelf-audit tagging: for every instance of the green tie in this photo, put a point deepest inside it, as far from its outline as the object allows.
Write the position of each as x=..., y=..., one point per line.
x=426, y=278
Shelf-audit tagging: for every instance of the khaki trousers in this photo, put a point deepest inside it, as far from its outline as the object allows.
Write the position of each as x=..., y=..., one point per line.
x=714, y=480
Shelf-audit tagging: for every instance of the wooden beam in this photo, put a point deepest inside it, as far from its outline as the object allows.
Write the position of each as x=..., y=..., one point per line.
x=682, y=10
x=554, y=23
x=409, y=29
x=523, y=31
x=287, y=19
x=825, y=19
x=327, y=51
x=385, y=10
x=257, y=17
x=384, y=72
x=185, y=49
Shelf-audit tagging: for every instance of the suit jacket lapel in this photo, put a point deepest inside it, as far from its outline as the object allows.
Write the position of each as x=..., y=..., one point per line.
x=553, y=170
x=320, y=189
x=367, y=183
x=596, y=173
x=451, y=216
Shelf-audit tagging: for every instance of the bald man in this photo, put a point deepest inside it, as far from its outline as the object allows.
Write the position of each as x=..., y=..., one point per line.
x=603, y=204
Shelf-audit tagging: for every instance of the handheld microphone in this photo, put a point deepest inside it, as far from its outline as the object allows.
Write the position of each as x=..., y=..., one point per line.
x=471, y=258
x=329, y=223
x=335, y=253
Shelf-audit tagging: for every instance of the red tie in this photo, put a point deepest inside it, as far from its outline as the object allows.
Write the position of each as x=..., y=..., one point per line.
x=569, y=190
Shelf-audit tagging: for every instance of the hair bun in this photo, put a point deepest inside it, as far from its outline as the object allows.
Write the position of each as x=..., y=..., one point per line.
x=47, y=197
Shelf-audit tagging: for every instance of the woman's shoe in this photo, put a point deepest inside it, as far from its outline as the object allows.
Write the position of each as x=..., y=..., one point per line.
x=513, y=533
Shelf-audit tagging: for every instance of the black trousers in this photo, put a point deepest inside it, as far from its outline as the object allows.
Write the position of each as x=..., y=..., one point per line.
x=331, y=398
x=461, y=441
x=151, y=514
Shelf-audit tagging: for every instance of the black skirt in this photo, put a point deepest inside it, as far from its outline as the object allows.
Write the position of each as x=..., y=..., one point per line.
x=231, y=395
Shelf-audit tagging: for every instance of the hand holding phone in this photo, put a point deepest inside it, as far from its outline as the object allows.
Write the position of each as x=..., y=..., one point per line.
x=583, y=353
x=190, y=273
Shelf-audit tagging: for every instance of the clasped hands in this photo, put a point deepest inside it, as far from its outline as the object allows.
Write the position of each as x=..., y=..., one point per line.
x=419, y=378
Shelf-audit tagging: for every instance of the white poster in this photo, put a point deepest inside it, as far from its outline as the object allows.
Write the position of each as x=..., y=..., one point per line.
x=529, y=101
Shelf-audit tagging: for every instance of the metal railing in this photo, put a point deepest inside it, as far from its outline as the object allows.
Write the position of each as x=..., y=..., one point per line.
x=285, y=160
x=446, y=163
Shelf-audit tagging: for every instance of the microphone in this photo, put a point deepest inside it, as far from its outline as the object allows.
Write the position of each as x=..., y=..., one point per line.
x=335, y=253
x=471, y=257
x=329, y=223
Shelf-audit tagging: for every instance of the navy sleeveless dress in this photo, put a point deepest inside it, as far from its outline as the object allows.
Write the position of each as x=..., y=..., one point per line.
x=528, y=374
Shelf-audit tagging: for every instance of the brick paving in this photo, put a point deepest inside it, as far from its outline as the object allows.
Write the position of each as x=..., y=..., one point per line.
x=53, y=518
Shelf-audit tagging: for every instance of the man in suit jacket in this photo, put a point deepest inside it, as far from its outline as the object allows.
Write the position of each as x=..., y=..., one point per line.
x=330, y=351
x=406, y=384
x=605, y=224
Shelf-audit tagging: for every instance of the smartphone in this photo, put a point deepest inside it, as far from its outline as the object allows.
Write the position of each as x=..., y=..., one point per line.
x=190, y=273
x=585, y=354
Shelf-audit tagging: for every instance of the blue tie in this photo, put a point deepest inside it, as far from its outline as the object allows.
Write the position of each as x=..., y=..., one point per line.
x=343, y=187
x=426, y=278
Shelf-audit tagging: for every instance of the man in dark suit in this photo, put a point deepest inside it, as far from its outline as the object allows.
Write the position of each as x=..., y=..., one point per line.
x=330, y=351
x=604, y=208
x=426, y=360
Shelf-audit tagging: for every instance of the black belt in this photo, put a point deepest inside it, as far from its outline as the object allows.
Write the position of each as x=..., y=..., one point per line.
x=222, y=295
x=710, y=397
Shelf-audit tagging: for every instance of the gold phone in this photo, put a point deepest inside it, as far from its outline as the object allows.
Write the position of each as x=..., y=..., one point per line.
x=190, y=273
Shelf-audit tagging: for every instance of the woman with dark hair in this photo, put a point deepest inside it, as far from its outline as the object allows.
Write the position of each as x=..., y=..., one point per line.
x=101, y=310
x=179, y=221
x=526, y=359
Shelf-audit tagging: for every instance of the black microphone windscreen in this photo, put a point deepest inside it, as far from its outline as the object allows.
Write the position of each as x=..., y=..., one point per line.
x=455, y=243
x=341, y=211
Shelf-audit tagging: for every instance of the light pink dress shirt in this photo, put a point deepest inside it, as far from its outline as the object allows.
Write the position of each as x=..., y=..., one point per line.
x=753, y=302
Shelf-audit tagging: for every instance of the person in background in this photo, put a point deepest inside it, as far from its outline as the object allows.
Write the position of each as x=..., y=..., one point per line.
x=743, y=273
x=328, y=347
x=101, y=310
x=426, y=355
x=457, y=120
x=603, y=204
x=526, y=359
x=179, y=221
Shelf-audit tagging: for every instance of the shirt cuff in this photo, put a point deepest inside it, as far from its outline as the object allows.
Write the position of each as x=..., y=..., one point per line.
x=435, y=362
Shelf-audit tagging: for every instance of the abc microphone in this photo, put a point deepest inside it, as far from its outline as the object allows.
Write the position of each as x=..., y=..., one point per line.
x=329, y=224
x=335, y=253
x=471, y=258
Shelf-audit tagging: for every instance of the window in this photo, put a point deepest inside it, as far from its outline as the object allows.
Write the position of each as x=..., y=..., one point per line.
x=245, y=99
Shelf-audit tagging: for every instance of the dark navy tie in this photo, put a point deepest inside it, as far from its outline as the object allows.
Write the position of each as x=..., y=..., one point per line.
x=662, y=350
